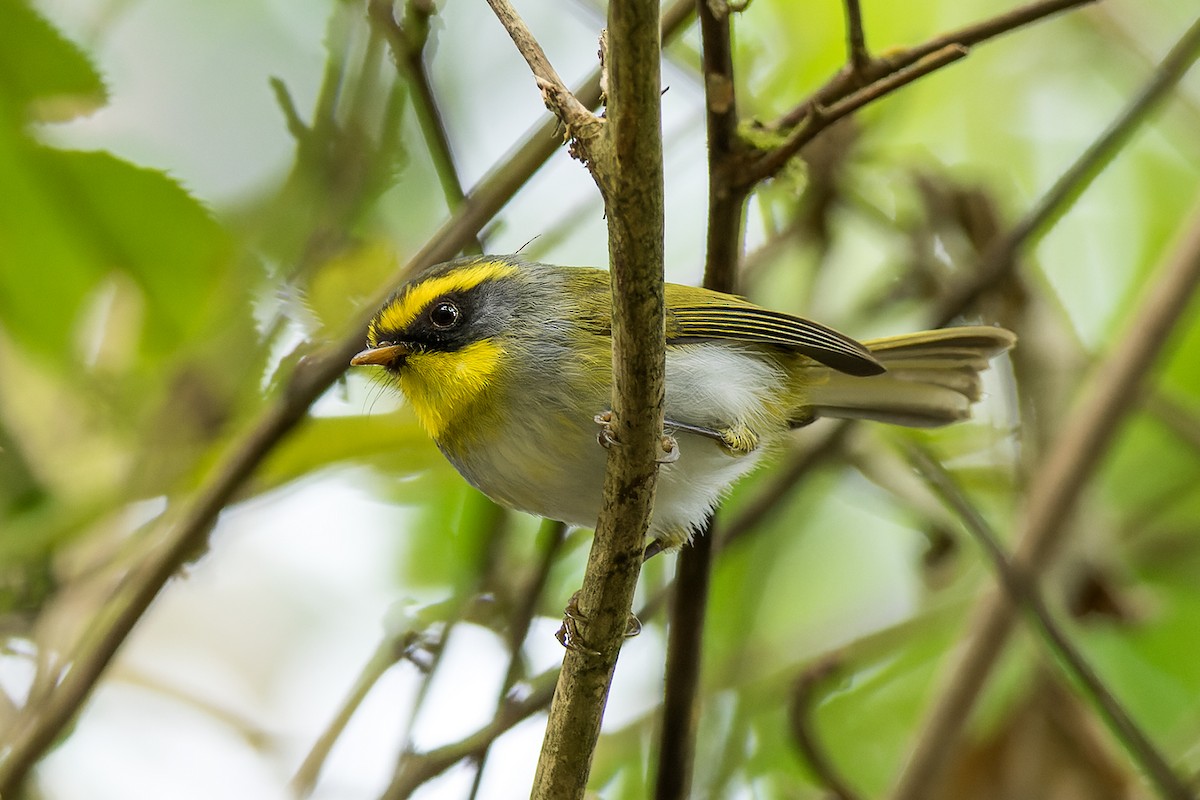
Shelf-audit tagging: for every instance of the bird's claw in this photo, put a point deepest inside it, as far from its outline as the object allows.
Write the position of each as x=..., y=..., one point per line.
x=568, y=633
x=738, y=441
x=668, y=450
x=607, y=437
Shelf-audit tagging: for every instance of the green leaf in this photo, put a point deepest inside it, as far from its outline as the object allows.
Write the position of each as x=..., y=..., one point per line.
x=43, y=76
x=72, y=219
x=396, y=445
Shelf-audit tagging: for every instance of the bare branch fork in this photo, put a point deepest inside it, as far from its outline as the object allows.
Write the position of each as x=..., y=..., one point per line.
x=726, y=202
x=584, y=129
x=865, y=79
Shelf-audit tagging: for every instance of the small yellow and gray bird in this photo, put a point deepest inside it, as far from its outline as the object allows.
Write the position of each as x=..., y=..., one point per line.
x=507, y=365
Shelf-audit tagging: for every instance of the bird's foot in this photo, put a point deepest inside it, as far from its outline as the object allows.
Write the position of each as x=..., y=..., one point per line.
x=737, y=440
x=568, y=633
x=607, y=437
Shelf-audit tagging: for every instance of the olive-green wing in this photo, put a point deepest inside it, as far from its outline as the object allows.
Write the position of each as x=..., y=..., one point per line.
x=749, y=323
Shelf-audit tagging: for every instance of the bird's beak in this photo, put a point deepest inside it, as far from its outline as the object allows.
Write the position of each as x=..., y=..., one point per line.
x=380, y=356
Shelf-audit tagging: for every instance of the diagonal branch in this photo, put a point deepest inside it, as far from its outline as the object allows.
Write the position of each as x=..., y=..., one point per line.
x=1080, y=446
x=1022, y=589
x=417, y=767
x=817, y=118
x=997, y=260
x=1056, y=488
x=582, y=125
x=416, y=771
x=847, y=81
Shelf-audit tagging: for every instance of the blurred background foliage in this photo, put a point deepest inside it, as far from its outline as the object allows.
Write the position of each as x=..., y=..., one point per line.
x=195, y=196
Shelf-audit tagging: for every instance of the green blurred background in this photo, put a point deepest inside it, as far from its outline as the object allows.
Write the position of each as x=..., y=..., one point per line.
x=194, y=195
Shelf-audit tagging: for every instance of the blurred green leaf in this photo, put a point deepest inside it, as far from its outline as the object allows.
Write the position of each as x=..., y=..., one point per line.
x=391, y=442
x=43, y=76
x=73, y=219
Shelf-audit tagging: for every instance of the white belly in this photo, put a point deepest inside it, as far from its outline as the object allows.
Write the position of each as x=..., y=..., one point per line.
x=552, y=465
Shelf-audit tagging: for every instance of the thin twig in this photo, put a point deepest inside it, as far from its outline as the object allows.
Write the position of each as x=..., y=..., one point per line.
x=418, y=767
x=555, y=534
x=1118, y=30
x=1055, y=489
x=408, y=54
x=856, y=38
x=391, y=650
x=295, y=125
x=819, y=118
x=998, y=25
x=804, y=734
x=1023, y=591
x=863, y=82
x=423, y=767
x=493, y=525
x=582, y=125
x=1183, y=420
x=846, y=82
x=997, y=260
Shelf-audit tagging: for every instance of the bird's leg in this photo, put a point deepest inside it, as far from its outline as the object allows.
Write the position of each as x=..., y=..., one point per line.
x=667, y=446
x=655, y=547
x=737, y=439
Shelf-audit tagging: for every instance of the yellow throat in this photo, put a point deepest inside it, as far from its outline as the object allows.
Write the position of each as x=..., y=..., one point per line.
x=445, y=388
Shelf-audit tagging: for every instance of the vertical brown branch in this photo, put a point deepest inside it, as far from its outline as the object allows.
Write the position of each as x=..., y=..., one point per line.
x=856, y=38
x=681, y=709
x=628, y=170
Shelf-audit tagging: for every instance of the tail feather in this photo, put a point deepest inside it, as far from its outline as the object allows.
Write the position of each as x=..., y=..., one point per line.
x=932, y=379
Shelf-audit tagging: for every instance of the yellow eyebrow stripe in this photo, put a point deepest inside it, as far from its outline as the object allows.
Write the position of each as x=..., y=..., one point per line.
x=399, y=314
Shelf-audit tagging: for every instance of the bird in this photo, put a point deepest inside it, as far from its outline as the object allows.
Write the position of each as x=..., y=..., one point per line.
x=507, y=365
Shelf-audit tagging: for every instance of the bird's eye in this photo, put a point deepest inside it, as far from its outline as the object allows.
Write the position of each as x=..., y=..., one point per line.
x=444, y=315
